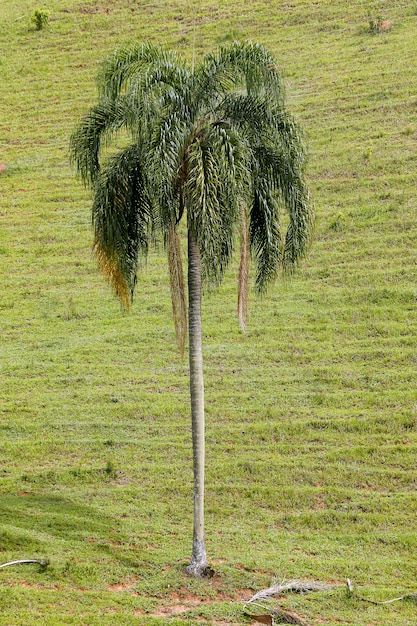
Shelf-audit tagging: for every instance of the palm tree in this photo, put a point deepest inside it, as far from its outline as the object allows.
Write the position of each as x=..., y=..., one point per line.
x=215, y=145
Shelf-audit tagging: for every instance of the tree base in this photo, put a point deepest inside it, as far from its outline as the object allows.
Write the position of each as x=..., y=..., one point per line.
x=198, y=567
x=199, y=571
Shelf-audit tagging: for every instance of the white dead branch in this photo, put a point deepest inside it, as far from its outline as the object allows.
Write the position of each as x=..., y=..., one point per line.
x=24, y=561
x=293, y=586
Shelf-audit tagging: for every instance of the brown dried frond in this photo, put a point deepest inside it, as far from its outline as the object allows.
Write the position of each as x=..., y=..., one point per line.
x=110, y=266
x=176, y=279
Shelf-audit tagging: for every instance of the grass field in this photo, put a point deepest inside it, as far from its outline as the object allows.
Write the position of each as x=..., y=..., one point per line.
x=311, y=415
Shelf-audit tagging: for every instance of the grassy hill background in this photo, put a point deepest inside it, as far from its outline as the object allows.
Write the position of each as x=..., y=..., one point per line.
x=311, y=415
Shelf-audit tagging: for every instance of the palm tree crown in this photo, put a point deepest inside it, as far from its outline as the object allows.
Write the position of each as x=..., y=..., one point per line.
x=214, y=145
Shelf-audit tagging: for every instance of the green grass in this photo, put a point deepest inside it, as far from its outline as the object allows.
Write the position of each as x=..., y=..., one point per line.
x=311, y=415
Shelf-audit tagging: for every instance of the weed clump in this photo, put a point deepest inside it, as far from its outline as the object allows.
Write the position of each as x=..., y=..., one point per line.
x=378, y=25
x=40, y=18
x=110, y=469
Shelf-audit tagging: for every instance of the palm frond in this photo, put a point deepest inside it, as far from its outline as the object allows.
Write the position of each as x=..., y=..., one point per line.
x=129, y=62
x=257, y=65
x=176, y=277
x=265, y=233
x=123, y=219
x=158, y=90
x=215, y=166
x=243, y=280
x=278, y=183
x=168, y=145
x=87, y=139
x=239, y=65
x=109, y=263
x=153, y=80
x=250, y=114
x=283, y=168
x=300, y=229
x=148, y=74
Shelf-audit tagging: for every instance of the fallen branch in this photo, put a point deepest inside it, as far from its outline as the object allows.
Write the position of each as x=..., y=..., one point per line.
x=294, y=586
x=43, y=563
x=276, y=615
x=406, y=596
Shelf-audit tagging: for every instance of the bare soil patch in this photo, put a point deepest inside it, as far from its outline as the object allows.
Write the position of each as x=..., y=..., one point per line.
x=181, y=601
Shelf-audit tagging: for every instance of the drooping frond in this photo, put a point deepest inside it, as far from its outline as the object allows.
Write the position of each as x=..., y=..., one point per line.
x=278, y=185
x=123, y=220
x=243, y=280
x=282, y=165
x=109, y=263
x=250, y=114
x=87, y=139
x=176, y=278
x=168, y=145
x=153, y=78
x=244, y=65
x=159, y=91
x=277, y=163
x=300, y=229
x=257, y=65
x=215, y=166
x=265, y=232
x=128, y=63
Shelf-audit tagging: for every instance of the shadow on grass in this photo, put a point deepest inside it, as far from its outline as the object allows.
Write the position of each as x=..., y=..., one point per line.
x=55, y=527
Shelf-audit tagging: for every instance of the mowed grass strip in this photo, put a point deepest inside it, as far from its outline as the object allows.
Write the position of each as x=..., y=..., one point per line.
x=311, y=415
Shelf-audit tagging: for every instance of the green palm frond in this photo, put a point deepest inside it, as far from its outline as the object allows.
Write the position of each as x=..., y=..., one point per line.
x=265, y=233
x=300, y=229
x=282, y=167
x=215, y=165
x=127, y=63
x=243, y=279
x=205, y=142
x=123, y=219
x=257, y=65
x=244, y=65
x=152, y=77
x=250, y=114
x=168, y=145
x=89, y=137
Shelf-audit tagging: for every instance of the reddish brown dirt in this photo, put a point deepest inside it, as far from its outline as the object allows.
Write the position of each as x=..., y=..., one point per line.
x=181, y=601
x=385, y=25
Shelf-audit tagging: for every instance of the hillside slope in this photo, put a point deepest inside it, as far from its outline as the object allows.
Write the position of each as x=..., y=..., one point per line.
x=311, y=415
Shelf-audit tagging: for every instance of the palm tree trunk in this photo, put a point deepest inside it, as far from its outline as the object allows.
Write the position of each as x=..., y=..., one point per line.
x=198, y=565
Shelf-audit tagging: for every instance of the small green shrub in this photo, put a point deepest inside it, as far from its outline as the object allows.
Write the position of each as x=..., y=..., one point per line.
x=378, y=25
x=110, y=469
x=375, y=24
x=40, y=18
